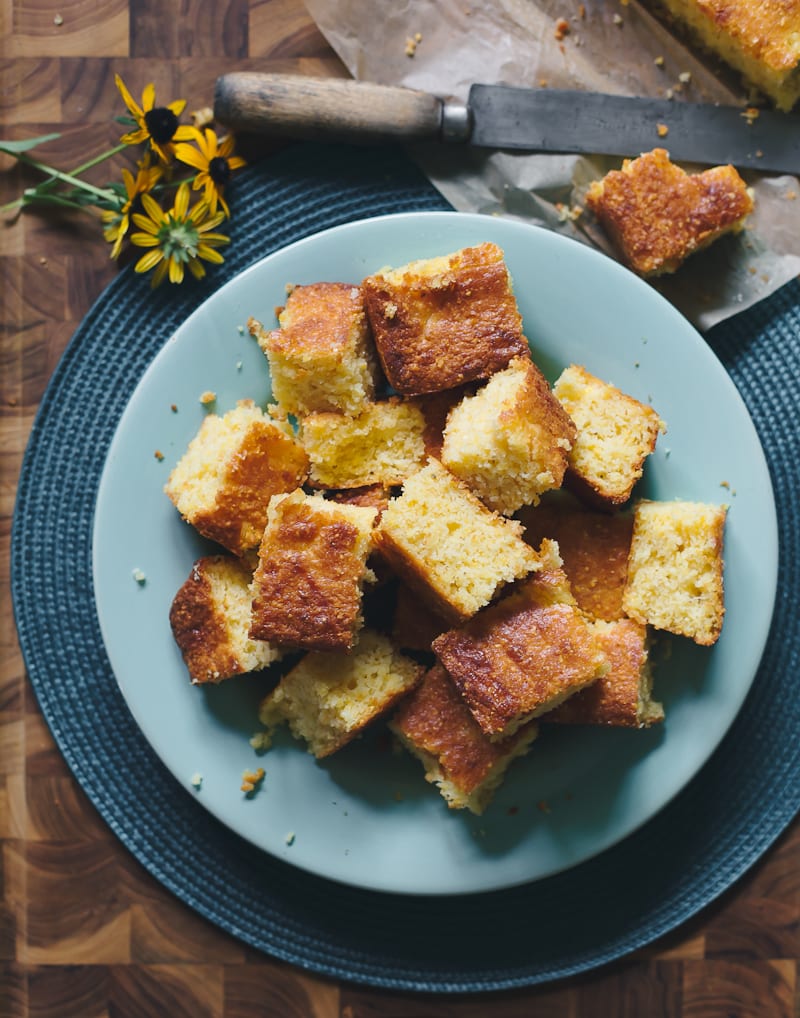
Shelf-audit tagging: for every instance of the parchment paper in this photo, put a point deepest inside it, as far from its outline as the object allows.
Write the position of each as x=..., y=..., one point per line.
x=443, y=46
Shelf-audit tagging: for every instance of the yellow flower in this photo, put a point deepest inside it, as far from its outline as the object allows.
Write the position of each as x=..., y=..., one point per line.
x=177, y=239
x=156, y=124
x=215, y=162
x=118, y=220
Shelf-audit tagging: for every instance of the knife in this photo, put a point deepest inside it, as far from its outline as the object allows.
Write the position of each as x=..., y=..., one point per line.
x=505, y=117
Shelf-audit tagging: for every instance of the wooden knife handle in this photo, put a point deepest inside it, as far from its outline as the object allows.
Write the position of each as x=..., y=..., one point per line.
x=303, y=107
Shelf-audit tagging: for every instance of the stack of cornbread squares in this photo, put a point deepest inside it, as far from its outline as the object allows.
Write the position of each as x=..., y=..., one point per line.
x=415, y=448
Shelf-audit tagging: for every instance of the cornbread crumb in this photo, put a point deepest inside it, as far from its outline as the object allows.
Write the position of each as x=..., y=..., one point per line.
x=510, y=441
x=159, y=455
x=139, y=576
x=207, y=397
x=561, y=29
x=260, y=741
x=328, y=699
x=234, y=464
x=615, y=435
x=197, y=780
x=448, y=546
x=289, y=839
x=210, y=618
x=251, y=780
x=662, y=130
x=675, y=568
x=657, y=215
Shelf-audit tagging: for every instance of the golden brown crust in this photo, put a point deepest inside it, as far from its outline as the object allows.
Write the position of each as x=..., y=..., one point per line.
x=266, y=463
x=307, y=587
x=619, y=698
x=435, y=720
x=317, y=316
x=200, y=628
x=759, y=38
x=594, y=548
x=657, y=215
x=435, y=332
x=522, y=656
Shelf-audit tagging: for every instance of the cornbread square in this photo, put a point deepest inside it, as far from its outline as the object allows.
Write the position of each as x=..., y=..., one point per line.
x=435, y=725
x=525, y=654
x=448, y=547
x=440, y=322
x=615, y=435
x=758, y=38
x=414, y=625
x=510, y=441
x=623, y=698
x=210, y=618
x=594, y=548
x=328, y=699
x=308, y=585
x=321, y=358
x=382, y=445
x=675, y=568
x=232, y=467
x=656, y=214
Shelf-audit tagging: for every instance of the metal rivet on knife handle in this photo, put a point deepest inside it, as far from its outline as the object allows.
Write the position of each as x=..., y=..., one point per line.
x=303, y=107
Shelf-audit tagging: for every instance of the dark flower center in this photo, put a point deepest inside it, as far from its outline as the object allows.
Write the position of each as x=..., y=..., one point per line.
x=137, y=206
x=161, y=124
x=219, y=171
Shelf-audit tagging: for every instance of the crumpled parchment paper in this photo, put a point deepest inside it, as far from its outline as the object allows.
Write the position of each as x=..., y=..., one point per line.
x=443, y=46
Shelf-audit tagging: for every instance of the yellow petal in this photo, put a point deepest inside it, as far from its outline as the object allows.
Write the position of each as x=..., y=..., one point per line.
x=214, y=239
x=189, y=154
x=154, y=211
x=127, y=98
x=144, y=240
x=183, y=132
x=210, y=254
x=134, y=137
x=235, y=162
x=175, y=271
x=181, y=201
x=196, y=268
x=148, y=260
x=145, y=224
x=148, y=97
x=159, y=274
x=177, y=107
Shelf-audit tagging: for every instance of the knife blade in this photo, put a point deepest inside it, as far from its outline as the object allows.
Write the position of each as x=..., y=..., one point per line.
x=506, y=117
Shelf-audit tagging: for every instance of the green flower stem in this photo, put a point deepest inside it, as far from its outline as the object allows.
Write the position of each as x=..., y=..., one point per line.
x=65, y=178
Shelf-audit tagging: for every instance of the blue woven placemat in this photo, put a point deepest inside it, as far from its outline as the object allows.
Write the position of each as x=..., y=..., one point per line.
x=686, y=856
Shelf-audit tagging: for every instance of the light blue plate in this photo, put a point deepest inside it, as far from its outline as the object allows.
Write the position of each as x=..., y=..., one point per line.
x=366, y=816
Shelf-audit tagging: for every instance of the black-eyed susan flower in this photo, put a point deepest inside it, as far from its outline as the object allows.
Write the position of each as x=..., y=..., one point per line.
x=117, y=221
x=178, y=239
x=214, y=161
x=157, y=125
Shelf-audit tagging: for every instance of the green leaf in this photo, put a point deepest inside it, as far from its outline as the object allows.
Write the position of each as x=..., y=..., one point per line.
x=12, y=148
x=125, y=121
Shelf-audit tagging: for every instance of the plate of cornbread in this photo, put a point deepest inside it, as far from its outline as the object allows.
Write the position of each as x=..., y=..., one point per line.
x=435, y=553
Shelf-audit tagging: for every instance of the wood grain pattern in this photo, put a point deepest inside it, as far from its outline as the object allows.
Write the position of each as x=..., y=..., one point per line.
x=85, y=932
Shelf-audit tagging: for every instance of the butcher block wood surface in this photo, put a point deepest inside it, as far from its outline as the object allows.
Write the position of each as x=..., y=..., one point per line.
x=85, y=931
